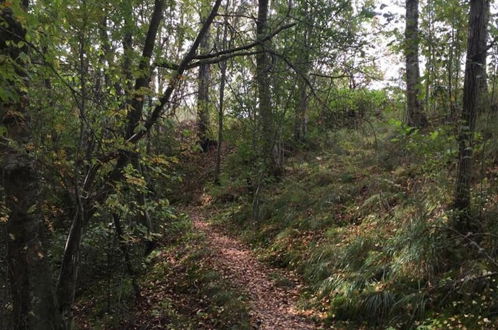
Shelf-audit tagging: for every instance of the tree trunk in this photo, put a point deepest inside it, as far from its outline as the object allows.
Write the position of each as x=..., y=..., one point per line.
x=66, y=283
x=223, y=69
x=450, y=72
x=300, y=119
x=263, y=67
x=476, y=55
x=128, y=45
x=142, y=81
x=429, y=66
x=203, y=96
x=482, y=75
x=34, y=304
x=414, y=114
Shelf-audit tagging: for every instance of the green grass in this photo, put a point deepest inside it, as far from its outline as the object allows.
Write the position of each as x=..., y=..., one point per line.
x=365, y=222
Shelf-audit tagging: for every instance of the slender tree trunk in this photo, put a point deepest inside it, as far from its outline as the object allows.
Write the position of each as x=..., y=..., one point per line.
x=34, y=303
x=482, y=75
x=301, y=116
x=414, y=114
x=128, y=45
x=203, y=94
x=143, y=80
x=450, y=73
x=300, y=119
x=223, y=68
x=217, y=171
x=66, y=284
x=263, y=67
x=430, y=57
x=456, y=90
x=476, y=55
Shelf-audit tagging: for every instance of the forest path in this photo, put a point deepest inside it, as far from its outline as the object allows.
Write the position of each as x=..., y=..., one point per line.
x=272, y=307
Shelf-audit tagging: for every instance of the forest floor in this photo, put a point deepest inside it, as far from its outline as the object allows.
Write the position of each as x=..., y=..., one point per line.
x=272, y=306
x=352, y=231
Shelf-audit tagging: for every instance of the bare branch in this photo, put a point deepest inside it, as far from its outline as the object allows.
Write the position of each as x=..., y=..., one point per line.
x=224, y=54
x=215, y=60
x=321, y=75
x=245, y=47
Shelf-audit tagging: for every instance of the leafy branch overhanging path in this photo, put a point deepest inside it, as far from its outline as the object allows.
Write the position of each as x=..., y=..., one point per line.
x=272, y=307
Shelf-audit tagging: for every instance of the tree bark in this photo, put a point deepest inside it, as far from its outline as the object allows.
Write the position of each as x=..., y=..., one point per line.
x=263, y=67
x=450, y=71
x=414, y=115
x=142, y=82
x=203, y=95
x=482, y=75
x=34, y=303
x=128, y=45
x=476, y=55
x=300, y=119
x=223, y=69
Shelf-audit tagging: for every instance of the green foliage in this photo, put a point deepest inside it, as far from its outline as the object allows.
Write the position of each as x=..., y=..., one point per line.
x=350, y=107
x=436, y=148
x=360, y=212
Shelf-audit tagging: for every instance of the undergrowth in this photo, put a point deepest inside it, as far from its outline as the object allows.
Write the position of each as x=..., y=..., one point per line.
x=365, y=219
x=185, y=292
x=179, y=290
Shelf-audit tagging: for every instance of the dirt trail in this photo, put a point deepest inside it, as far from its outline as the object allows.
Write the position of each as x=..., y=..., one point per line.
x=272, y=307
